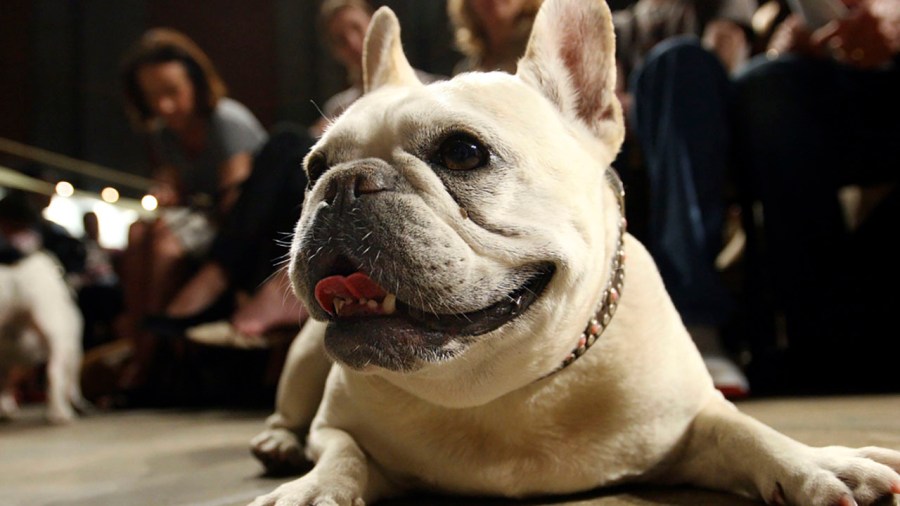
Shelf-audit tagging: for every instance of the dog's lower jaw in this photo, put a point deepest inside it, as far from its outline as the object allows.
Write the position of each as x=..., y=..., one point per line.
x=523, y=353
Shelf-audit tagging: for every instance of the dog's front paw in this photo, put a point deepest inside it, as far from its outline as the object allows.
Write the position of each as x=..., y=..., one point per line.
x=310, y=491
x=279, y=450
x=840, y=476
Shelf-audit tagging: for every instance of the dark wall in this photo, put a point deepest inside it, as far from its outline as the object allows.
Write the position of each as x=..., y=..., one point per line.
x=59, y=63
x=14, y=97
x=73, y=49
x=239, y=38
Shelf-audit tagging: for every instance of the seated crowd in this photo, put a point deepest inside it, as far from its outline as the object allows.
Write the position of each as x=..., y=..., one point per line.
x=747, y=124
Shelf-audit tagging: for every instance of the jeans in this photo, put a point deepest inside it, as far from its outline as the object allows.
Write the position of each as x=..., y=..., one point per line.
x=803, y=129
x=681, y=119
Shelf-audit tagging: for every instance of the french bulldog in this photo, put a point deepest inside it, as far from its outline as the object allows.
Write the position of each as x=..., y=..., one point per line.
x=40, y=323
x=462, y=250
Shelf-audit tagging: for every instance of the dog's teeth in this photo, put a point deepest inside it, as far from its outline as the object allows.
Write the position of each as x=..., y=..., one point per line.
x=338, y=304
x=390, y=304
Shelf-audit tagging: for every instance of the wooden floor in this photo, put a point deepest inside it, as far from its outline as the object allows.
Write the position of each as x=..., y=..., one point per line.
x=201, y=458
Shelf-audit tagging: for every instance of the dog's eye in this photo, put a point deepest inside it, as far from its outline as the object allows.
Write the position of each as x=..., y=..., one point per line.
x=316, y=165
x=461, y=152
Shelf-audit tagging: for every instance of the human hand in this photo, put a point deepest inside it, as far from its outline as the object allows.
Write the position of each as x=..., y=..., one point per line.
x=792, y=36
x=166, y=185
x=856, y=40
x=728, y=41
x=165, y=194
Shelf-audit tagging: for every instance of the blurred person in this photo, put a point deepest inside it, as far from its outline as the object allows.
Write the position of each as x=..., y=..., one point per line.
x=244, y=265
x=491, y=34
x=28, y=231
x=200, y=144
x=98, y=287
x=675, y=58
x=820, y=111
x=264, y=303
x=239, y=289
x=342, y=25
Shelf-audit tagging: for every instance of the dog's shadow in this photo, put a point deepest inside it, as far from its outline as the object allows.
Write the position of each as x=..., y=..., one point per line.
x=619, y=496
x=647, y=495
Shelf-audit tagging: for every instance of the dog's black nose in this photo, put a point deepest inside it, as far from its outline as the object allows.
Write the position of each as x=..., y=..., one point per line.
x=349, y=184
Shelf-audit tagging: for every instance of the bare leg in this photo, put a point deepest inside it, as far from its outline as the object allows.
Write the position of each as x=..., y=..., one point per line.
x=153, y=268
x=134, y=279
x=167, y=270
x=199, y=292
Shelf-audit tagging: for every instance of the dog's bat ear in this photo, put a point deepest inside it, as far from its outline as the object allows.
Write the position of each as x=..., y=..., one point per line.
x=383, y=59
x=570, y=59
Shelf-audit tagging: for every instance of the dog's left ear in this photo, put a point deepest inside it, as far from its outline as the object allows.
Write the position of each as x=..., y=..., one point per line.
x=570, y=58
x=383, y=60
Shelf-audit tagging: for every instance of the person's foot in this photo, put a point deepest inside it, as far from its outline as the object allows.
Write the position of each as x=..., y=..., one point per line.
x=222, y=333
x=272, y=306
x=260, y=321
x=727, y=377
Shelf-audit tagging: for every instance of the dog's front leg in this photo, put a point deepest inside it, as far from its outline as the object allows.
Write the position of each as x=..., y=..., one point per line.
x=279, y=447
x=342, y=476
x=58, y=380
x=729, y=450
x=9, y=407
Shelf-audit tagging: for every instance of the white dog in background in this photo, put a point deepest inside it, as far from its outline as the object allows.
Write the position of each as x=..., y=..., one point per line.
x=463, y=250
x=40, y=323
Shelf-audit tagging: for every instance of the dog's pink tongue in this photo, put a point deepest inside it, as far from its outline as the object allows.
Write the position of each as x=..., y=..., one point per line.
x=351, y=289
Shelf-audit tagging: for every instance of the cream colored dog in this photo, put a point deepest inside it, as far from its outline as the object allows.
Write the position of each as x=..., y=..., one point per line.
x=462, y=248
x=40, y=323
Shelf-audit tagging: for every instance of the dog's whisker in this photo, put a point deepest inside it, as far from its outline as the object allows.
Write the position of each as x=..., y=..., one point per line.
x=310, y=257
x=324, y=116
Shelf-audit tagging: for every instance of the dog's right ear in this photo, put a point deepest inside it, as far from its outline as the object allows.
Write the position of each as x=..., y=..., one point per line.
x=383, y=60
x=570, y=59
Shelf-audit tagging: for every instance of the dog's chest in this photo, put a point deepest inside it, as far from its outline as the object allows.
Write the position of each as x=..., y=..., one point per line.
x=519, y=446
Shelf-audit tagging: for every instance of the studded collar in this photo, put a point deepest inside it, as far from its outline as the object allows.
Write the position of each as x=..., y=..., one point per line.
x=609, y=301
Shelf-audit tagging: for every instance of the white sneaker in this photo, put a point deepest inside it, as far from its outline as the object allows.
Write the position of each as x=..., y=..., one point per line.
x=222, y=333
x=727, y=377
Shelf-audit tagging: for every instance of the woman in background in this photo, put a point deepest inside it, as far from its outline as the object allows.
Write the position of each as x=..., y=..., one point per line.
x=201, y=145
x=491, y=34
x=342, y=26
x=818, y=112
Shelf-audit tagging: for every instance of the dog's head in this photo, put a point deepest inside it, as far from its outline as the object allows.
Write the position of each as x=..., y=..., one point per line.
x=462, y=229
